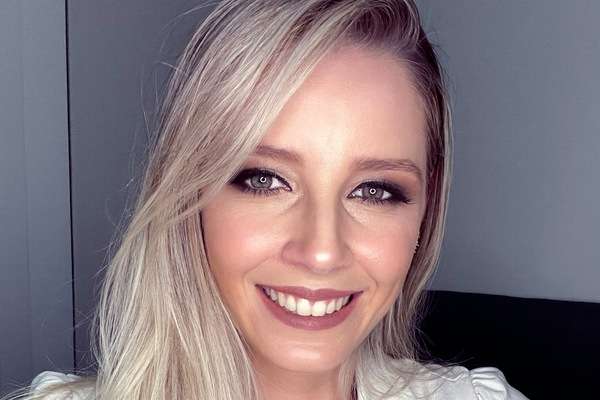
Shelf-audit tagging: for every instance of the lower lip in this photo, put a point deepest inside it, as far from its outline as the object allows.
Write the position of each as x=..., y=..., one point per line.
x=308, y=322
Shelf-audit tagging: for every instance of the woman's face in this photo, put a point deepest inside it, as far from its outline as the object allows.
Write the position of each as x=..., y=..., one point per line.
x=339, y=207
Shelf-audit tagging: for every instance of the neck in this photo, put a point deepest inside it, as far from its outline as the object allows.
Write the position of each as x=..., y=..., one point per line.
x=276, y=383
x=299, y=386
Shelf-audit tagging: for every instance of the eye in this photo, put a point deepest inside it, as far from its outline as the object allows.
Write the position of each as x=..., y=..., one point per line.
x=381, y=192
x=259, y=181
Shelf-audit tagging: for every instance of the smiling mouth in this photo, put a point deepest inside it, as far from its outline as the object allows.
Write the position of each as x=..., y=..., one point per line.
x=304, y=307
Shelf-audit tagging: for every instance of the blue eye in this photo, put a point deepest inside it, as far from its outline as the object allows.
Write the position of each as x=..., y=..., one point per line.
x=259, y=182
x=381, y=192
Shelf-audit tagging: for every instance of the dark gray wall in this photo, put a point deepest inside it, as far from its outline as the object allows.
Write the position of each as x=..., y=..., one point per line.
x=35, y=236
x=119, y=52
x=524, y=217
x=115, y=51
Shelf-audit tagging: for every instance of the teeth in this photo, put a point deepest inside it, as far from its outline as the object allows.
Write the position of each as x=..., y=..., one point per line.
x=338, y=303
x=330, y=307
x=290, y=303
x=304, y=307
x=318, y=309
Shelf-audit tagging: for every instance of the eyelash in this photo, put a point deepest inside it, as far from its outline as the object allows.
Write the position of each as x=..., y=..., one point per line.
x=397, y=194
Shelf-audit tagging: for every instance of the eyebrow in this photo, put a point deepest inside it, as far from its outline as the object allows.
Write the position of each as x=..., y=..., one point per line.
x=361, y=164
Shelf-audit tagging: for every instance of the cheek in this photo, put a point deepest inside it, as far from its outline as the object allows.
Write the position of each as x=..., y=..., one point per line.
x=386, y=254
x=390, y=261
x=236, y=241
x=387, y=248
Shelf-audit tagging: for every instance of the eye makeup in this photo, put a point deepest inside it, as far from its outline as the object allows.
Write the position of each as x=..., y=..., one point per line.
x=243, y=181
x=396, y=193
x=375, y=192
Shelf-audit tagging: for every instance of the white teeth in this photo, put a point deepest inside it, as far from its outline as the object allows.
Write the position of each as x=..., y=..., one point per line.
x=304, y=307
x=281, y=299
x=273, y=294
x=290, y=303
x=318, y=309
x=330, y=307
x=338, y=303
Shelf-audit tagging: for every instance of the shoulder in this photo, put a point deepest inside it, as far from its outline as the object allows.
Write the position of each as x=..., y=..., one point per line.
x=65, y=386
x=489, y=383
x=436, y=382
x=484, y=383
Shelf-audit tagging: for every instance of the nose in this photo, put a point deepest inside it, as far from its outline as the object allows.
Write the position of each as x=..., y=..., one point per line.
x=319, y=240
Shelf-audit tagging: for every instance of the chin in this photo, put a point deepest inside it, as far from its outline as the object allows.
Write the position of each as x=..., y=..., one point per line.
x=301, y=357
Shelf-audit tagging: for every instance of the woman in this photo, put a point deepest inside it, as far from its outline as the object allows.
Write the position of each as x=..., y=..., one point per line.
x=290, y=215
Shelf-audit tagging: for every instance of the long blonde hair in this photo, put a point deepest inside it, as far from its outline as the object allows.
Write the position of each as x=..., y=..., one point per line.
x=161, y=330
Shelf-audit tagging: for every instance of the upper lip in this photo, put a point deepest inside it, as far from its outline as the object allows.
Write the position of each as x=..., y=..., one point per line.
x=312, y=295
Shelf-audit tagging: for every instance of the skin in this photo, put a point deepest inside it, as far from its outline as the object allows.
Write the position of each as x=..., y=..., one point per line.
x=317, y=230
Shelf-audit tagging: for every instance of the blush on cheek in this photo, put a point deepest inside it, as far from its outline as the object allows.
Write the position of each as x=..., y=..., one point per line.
x=394, y=266
x=387, y=256
x=236, y=241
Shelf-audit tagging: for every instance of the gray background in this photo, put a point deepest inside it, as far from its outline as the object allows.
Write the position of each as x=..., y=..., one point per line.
x=35, y=271
x=524, y=217
x=522, y=221
x=116, y=51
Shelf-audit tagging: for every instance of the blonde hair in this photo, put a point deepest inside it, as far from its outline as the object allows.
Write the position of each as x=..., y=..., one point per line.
x=161, y=330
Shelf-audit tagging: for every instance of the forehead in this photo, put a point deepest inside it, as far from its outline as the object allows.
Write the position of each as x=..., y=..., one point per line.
x=356, y=102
